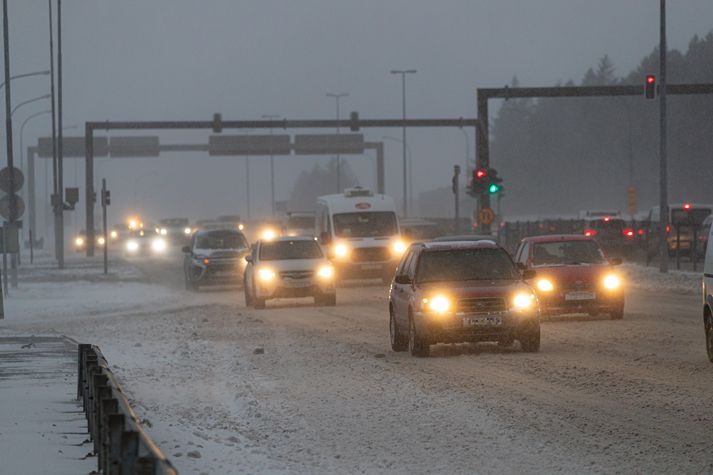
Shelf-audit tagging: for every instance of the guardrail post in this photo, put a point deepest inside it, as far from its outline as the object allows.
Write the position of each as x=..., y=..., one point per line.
x=145, y=466
x=129, y=451
x=109, y=407
x=81, y=363
x=116, y=428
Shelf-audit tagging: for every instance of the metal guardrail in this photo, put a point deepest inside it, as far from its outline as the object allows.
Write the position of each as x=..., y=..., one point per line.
x=120, y=443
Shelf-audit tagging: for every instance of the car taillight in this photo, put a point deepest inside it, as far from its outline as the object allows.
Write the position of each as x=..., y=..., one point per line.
x=629, y=233
x=206, y=261
x=590, y=232
x=668, y=229
x=640, y=232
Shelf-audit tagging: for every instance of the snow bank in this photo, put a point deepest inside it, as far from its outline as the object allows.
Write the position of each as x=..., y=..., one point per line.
x=650, y=279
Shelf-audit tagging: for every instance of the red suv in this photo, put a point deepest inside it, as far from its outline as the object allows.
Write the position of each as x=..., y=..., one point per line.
x=461, y=292
x=573, y=275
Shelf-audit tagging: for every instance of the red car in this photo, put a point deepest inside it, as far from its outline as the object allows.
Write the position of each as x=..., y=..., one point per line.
x=573, y=275
x=455, y=292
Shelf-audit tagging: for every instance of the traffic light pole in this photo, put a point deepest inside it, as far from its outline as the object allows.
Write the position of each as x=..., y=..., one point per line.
x=663, y=166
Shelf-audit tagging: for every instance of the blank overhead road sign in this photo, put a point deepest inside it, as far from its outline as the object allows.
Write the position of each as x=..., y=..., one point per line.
x=72, y=147
x=224, y=145
x=122, y=147
x=315, y=144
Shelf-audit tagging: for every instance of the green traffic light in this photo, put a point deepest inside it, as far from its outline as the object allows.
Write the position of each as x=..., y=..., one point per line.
x=493, y=189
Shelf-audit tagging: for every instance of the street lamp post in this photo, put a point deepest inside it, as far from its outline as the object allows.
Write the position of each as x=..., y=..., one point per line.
x=403, y=74
x=409, y=166
x=25, y=75
x=337, y=97
x=32, y=231
x=29, y=101
x=272, y=166
x=663, y=167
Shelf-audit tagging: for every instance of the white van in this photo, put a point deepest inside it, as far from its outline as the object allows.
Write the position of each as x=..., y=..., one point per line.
x=361, y=233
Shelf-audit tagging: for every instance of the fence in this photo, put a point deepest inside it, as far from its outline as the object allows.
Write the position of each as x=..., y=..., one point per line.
x=120, y=443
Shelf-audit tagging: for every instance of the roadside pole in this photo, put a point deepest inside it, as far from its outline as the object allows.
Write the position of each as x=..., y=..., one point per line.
x=455, y=188
x=4, y=258
x=106, y=200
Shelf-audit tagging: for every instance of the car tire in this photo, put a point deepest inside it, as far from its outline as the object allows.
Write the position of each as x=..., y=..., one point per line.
x=329, y=300
x=399, y=342
x=530, y=340
x=246, y=292
x=618, y=314
x=708, y=326
x=416, y=344
x=257, y=302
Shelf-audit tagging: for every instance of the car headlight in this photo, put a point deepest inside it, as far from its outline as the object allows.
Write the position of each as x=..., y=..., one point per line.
x=241, y=226
x=341, y=250
x=325, y=272
x=114, y=235
x=544, y=285
x=268, y=234
x=438, y=304
x=611, y=282
x=163, y=231
x=398, y=247
x=101, y=241
x=79, y=242
x=132, y=246
x=523, y=301
x=266, y=275
x=186, y=230
x=158, y=245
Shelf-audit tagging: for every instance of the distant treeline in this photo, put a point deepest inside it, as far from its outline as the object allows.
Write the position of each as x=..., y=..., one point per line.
x=561, y=155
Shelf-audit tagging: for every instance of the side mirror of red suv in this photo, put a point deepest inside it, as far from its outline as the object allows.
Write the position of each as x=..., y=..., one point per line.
x=528, y=274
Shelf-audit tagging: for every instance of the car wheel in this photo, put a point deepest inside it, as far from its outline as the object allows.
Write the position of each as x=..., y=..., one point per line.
x=258, y=303
x=618, y=314
x=416, y=345
x=530, y=340
x=330, y=300
x=398, y=341
x=246, y=292
x=709, y=336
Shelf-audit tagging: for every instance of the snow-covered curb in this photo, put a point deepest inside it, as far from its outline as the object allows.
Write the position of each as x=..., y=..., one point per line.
x=650, y=279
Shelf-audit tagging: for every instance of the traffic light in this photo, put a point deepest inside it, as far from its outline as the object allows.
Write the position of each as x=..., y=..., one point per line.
x=106, y=197
x=354, y=121
x=650, y=86
x=494, y=182
x=217, y=123
x=478, y=184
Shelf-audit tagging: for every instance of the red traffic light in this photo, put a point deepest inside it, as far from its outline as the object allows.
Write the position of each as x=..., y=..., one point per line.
x=650, y=87
x=686, y=206
x=480, y=173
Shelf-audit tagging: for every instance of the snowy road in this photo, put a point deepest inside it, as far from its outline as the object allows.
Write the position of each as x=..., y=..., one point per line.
x=298, y=388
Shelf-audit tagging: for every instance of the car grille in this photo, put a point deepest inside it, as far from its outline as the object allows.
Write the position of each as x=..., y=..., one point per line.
x=481, y=305
x=297, y=274
x=577, y=285
x=370, y=254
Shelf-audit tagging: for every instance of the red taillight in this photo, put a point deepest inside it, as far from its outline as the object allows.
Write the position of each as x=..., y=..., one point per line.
x=629, y=233
x=206, y=261
x=590, y=232
x=668, y=229
x=687, y=206
x=606, y=220
x=640, y=232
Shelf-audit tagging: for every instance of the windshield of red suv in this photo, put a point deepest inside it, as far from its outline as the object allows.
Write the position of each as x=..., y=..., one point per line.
x=465, y=264
x=563, y=253
x=279, y=250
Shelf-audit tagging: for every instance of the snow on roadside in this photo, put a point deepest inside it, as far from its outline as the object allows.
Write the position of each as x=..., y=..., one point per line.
x=650, y=279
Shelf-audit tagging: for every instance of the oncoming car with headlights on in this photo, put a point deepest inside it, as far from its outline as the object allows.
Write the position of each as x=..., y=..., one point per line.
x=573, y=275
x=454, y=292
x=288, y=267
x=145, y=242
x=215, y=257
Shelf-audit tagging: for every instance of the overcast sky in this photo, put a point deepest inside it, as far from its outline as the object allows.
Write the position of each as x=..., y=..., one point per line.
x=180, y=59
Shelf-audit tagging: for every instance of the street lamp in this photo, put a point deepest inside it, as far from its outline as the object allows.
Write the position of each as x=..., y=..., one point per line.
x=410, y=165
x=403, y=73
x=25, y=75
x=337, y=97
x=272, y=166
x=29, y=101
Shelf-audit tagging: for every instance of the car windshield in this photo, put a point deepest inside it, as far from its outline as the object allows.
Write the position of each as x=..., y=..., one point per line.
x=221, y=240
x=300, y=222
x=607, y=224
x=174, y=222
x=465, y=264
x=371, y=224
x=297, y=249
x=562, y=253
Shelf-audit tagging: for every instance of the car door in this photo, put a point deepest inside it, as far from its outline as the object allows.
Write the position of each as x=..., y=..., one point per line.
x=405, y=291
x=399, y=295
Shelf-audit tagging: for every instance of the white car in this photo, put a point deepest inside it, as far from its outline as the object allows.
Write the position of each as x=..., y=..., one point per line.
x=288, y=267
